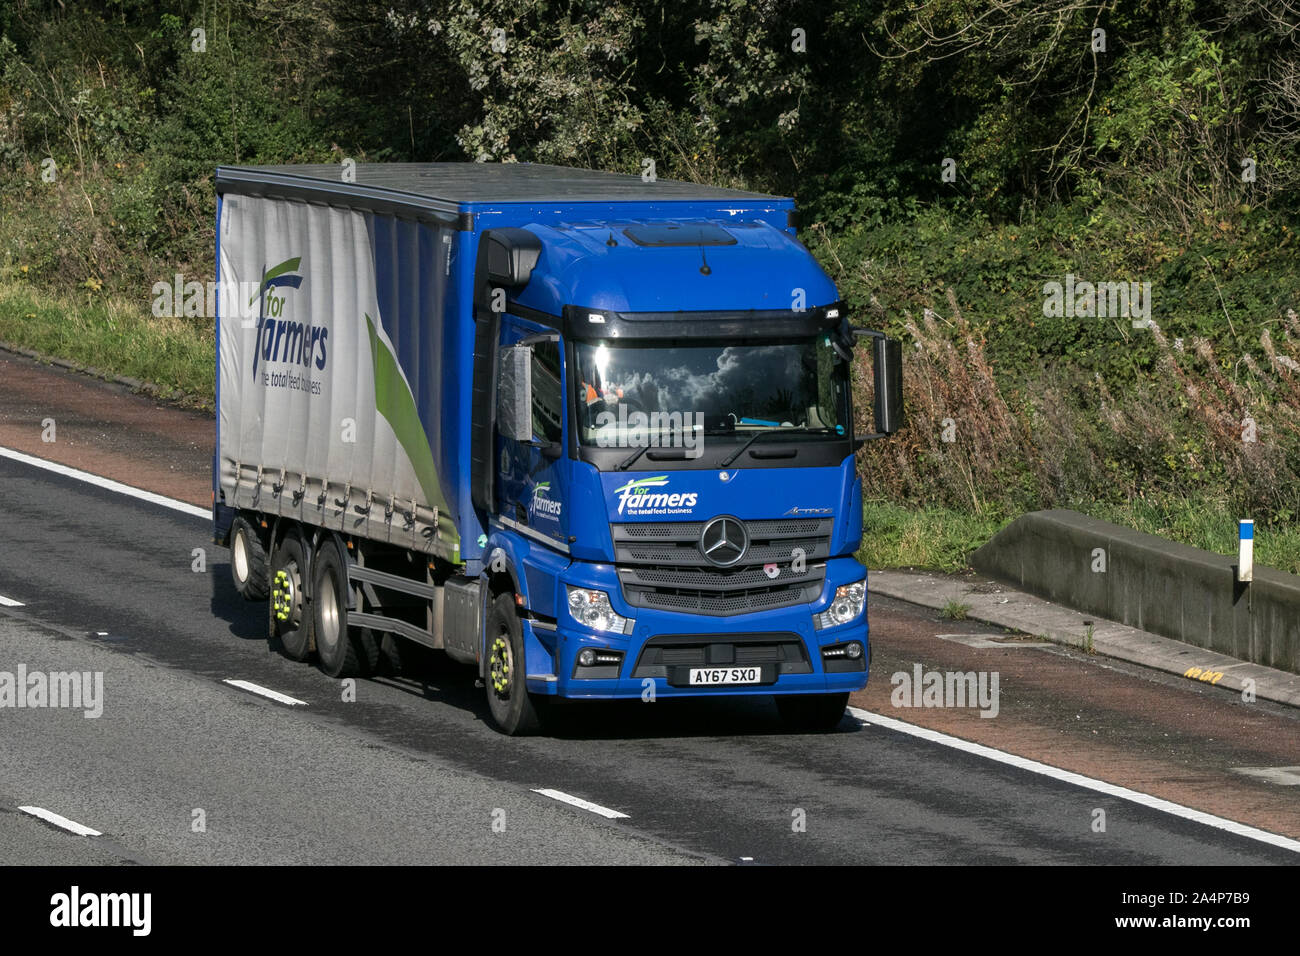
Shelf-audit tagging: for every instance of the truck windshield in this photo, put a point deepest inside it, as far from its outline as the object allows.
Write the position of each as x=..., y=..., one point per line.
x=669, y=394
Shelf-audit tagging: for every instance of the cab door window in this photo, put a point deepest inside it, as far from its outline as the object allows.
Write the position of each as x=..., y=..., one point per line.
x=548, y=398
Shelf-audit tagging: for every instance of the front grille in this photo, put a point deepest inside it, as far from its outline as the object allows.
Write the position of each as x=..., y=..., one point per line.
x=660, y=566
x=776, y=653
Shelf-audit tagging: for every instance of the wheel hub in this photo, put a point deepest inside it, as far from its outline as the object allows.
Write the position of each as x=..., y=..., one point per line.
x=328, y=633
x=499, y=666
x=241, y=557
x=284, y=594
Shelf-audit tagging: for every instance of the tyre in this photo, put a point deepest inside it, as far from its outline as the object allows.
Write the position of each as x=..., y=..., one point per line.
x=340, y=651
x=812, y=711
x=291, y=621
x=248, y=564
x=513, y=709
x=407, y=658
x=395, y=654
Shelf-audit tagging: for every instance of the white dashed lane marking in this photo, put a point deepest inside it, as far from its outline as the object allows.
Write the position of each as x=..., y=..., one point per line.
x=266, y=692
x=582, y=804
x=63, y=823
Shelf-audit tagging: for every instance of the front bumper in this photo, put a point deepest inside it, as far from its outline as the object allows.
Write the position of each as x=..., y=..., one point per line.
x=783, y=646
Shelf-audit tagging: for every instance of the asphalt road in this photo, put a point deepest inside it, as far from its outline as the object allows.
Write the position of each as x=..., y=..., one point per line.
x=412, y=772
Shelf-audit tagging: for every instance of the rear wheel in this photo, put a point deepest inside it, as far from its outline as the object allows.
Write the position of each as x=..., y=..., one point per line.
x=340, y=651
x=513, y=709
x=248, y=564
x=290, y=620
x=406, y=657
x=812, y=711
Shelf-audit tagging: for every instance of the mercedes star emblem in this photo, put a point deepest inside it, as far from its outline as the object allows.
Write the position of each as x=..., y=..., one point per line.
x=724, y=540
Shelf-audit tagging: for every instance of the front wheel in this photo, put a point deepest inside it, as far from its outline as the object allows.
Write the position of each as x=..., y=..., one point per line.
x=812, y=711
x=513, y=708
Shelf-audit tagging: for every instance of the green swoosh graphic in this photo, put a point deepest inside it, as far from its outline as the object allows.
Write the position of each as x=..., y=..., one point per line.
x=393, y=400
x=289, y=265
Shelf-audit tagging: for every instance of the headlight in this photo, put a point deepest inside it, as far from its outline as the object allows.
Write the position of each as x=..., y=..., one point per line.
x=849, y=601
x=592, y=609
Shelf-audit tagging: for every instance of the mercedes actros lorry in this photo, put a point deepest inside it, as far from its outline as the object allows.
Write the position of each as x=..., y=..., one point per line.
x=589, y=433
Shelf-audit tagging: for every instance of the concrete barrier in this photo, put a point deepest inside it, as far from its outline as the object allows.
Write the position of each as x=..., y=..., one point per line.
x=1150, y=583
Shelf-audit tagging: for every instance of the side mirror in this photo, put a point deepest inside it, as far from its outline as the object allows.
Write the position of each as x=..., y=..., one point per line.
x=512, y=254
x=887, y=371
x=887, y=356
x=515, y=393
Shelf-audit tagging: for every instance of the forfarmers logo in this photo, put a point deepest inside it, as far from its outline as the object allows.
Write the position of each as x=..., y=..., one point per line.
x=281, y=339
x=542, y=503
x=639, y=496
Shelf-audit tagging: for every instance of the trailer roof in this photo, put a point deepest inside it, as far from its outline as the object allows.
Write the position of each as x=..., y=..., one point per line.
x=457, y=187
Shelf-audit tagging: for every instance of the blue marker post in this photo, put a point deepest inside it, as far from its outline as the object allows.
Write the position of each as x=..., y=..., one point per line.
x=1246, y=550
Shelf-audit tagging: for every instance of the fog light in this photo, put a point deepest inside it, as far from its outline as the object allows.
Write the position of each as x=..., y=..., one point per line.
x=843, y=658
x=597, y=663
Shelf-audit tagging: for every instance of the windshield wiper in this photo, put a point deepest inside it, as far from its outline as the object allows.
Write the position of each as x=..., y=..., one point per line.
x=783, y=431
x=627, y=462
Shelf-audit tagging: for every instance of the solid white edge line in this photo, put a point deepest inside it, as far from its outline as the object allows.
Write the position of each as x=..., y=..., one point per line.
x=583, y=804
x=9, y=602
x=265, y=692
x=1079, y=780
x=106, y=483
x=63, y=823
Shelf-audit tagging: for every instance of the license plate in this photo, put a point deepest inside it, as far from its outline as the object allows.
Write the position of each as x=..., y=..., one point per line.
x=710, y=676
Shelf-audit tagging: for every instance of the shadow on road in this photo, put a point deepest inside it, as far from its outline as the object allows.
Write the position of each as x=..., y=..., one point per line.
x=435, y=677
x=246, y=619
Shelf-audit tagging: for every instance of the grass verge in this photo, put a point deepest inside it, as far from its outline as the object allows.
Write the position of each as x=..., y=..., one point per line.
x=114, y=336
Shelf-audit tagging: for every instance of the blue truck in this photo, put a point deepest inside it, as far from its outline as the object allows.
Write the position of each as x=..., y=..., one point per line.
x=591, y=433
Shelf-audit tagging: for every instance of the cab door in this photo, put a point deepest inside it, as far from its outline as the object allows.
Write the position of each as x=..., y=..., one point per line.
x=531, y=481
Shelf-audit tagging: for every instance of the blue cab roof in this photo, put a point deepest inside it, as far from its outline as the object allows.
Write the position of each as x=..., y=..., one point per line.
x=599, y=265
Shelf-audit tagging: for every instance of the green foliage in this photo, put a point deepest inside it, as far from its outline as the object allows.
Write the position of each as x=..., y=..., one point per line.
x=111, y=335
x=954, y=611
x=221, y=106
x=1114, y=161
